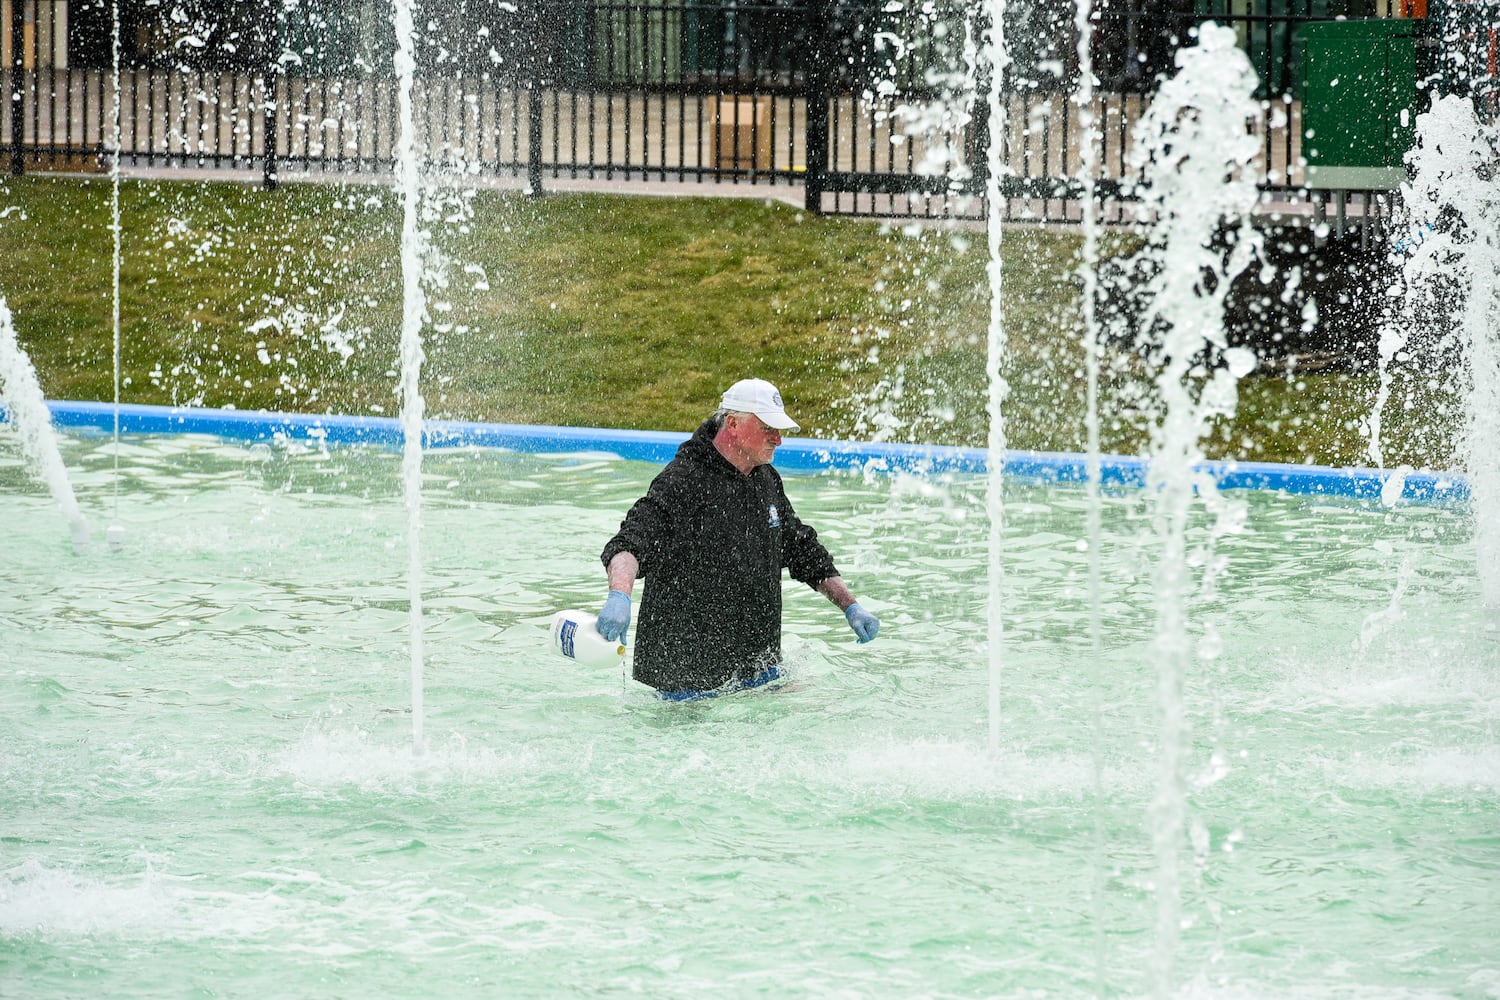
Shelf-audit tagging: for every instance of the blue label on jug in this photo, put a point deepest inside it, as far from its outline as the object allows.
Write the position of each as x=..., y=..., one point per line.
x=569, y=629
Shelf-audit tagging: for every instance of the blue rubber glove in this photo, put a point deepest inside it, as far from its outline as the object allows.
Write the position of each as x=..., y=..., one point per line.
x=614, y=620
x=864, y=624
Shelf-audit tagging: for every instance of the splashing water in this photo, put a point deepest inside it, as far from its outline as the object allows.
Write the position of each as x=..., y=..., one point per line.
x=1453, y=248
x=995, y=506
x=1088, y=273
x=26, y=410
x=1195, y=152
x=115, y=533
x=1088, y=270
x=413, y=314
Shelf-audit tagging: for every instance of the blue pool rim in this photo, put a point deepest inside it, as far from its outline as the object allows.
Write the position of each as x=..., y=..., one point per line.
x=795, y=454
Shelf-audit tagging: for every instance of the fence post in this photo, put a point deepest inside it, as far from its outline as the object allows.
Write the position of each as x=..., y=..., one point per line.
x=534, y=102
x=269, y=124
x=534, y=141
x=979, y=112
x=17, y=57
x=816, y=81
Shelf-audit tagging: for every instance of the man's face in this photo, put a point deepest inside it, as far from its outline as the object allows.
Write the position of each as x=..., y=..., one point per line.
x=753, y=438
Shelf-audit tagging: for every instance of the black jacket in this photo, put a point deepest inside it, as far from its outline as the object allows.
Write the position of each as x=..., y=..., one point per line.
x=711, y=542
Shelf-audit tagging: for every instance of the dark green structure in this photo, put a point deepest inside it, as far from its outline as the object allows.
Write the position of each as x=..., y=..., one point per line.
x=1359, y=92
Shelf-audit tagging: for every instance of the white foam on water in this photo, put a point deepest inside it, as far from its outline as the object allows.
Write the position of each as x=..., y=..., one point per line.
x=301, y=912
x=1448, y=769
x=1401, y=677
x=50, y=901
x=353, y=758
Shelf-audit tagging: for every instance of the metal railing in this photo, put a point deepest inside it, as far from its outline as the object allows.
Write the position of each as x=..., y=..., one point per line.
x=867, y=106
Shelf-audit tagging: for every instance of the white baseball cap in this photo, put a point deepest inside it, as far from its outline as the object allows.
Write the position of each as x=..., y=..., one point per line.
x=757, y=396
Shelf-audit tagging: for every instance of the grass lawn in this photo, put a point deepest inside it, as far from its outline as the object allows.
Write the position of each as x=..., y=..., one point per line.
x=603, y=310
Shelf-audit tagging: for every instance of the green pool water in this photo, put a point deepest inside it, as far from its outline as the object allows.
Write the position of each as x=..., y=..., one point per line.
x=208, y=789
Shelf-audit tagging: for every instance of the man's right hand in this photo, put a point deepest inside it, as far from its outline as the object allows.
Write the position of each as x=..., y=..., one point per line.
x=614, y=619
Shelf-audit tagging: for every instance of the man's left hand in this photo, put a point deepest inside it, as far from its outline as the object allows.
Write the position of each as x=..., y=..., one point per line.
x=864, y=624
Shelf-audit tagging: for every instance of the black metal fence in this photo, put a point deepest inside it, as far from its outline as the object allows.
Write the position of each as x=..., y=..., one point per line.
x=867, y=106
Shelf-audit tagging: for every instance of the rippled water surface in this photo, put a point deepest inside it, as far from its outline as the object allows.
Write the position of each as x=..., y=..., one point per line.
x=207, y=785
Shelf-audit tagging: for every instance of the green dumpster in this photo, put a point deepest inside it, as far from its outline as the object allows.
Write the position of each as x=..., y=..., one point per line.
x=1268, y=30
x=1359, y=91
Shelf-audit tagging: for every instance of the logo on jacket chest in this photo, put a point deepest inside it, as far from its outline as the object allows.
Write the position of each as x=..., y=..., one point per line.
x=775, y=521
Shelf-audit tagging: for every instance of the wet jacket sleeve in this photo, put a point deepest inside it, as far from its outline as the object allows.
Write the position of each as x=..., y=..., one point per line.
x=802, y=554
x=646, y=531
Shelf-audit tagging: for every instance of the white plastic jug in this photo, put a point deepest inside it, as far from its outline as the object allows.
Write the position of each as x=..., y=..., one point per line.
x=575, y=634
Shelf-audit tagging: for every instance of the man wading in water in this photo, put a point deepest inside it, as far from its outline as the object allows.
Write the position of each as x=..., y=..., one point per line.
x=711, y=537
